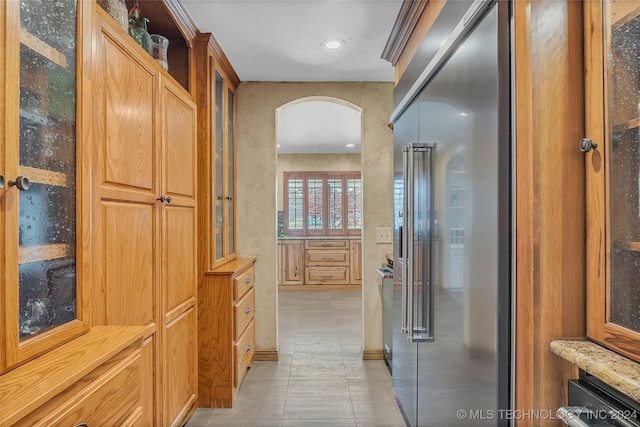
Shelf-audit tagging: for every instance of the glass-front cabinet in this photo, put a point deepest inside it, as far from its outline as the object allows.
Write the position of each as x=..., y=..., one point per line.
x=612, y=147
x=39, y=169
x=224, y=169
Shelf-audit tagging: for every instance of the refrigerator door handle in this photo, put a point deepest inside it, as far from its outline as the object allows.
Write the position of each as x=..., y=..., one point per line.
x=404, y=238
x=424, y=331
x=410, y=239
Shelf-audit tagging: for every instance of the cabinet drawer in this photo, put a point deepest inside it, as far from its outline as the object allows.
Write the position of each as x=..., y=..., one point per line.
x=243, y=312
x=327, y=244
x=326, y=275
x=243, y=282
x=337, y=257
x=113, y=398
x=245, y=347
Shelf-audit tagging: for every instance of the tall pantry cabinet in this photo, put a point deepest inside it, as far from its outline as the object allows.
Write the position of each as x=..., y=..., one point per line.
x=144, y=187
x=56, y=367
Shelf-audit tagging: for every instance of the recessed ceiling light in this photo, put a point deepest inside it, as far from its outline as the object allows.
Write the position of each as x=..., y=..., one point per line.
x=322, y=145
x=463, y=114
x=350, y=145
x=333, y=45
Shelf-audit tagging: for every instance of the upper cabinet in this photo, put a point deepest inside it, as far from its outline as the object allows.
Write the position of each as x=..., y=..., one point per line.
x=612, y=173
x=41, y=189
x=216, y=98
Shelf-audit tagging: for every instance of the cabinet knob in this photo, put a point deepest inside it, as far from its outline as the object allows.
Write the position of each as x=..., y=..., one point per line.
x=229, y=198
x=1, y=181
x=247, y=281
x=163, y=199
x=22, y=182
x=248, y=310
x=247, y=348
x=587, y=145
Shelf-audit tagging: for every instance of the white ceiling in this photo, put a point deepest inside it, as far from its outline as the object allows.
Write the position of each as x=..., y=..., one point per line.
x=280, y=40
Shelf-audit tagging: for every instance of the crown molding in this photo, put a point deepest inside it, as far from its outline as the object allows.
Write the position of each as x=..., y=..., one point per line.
x=406, y=21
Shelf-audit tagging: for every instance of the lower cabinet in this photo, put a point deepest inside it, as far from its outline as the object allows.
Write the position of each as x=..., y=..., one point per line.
x=226, y=331
x=320, y=262
x=96, y=379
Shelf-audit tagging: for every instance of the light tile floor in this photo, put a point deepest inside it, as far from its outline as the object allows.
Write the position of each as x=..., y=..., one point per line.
x=320, y=379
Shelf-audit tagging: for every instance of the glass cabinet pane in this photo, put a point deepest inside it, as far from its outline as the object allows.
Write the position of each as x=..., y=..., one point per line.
x=622, y=74
x=217, y=164
x=295, y=197
x=47, y=161
x=230, y=182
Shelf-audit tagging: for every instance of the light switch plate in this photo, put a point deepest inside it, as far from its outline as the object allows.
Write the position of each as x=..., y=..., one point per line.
x=383, y=235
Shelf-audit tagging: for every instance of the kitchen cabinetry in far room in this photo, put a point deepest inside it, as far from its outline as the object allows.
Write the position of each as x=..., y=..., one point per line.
x=144, y=187
x=226, y=331
x=291, y=262
x=355, y=267
x=326, y=262
x=612, y=170
x=215, y=95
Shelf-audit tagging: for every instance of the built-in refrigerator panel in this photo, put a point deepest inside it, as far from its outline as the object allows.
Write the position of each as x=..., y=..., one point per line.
x=450, y=209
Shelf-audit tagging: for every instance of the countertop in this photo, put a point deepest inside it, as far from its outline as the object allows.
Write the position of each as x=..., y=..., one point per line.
x=319, y=237
x=615, y=370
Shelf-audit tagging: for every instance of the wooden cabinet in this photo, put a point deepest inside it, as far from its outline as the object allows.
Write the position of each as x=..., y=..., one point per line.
x=43, y=186
x=320, y=262
x=95, y=379
x=291, y=262
x=145, y=219
x=326, y=262
x=355, y=257
x=226, y=331
x=612, y=171
x=215, y=95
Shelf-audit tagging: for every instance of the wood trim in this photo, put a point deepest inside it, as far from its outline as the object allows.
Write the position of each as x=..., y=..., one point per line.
x=550, y=246
x=222, y=60
x=266, y=355
x=406, y=21
x=372, y=354
x=182, y=19
x=428, y=17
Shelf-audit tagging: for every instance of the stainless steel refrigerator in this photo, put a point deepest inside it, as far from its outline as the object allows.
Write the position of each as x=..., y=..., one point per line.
x=451, y=344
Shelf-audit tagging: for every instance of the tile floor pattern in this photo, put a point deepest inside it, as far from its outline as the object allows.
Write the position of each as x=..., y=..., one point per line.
x=320, y=379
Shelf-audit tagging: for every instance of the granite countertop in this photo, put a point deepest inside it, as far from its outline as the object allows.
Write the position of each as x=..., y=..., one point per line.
x=284, y=237
x=615, y=370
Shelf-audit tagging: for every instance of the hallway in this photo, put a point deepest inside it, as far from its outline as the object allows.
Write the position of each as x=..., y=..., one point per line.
x=320, y=379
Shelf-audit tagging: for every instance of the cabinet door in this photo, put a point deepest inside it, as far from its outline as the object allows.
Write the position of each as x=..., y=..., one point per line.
x=223, y=165
x=40, y=198
x=613, y=170
x=355, y=269
x=292, y=262
x=178, y=219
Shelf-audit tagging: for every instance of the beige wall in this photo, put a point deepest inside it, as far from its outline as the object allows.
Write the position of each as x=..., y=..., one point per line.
x=256, y=161
x=313, y=163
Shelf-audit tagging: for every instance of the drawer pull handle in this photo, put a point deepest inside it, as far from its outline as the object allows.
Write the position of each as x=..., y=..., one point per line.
x=82, y=425
x=247, y=281
x=248, y=310
x=247, y=348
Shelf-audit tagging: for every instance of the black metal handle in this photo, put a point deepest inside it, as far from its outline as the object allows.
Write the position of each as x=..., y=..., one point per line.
x=587, y=145
x=229, y=198
x=1, y=181
x=164, y=199
x=168, y=199
x=22, y=182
